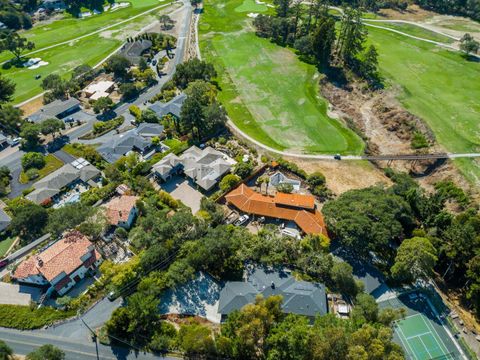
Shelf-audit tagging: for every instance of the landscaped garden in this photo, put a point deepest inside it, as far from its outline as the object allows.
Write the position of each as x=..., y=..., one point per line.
x=268, y=92
x=438, y=85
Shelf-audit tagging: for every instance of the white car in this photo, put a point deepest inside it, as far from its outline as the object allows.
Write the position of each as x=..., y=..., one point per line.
x=15, y=141
x=241, y=220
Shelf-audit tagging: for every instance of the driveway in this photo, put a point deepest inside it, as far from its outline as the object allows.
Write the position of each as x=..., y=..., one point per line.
x=64, y=156
x=183, y=190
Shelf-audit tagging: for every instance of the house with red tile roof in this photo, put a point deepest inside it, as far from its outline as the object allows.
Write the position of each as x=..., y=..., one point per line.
x=61, y=265
x=298, y=208
x=122, y=211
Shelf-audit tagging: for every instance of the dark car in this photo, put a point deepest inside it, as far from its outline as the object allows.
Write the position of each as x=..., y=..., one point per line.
x=3, y=263
x=37, y=77
x=337, y=157
x=154, y=62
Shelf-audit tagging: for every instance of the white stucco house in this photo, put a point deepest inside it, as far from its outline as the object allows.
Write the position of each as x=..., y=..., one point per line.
x=61, y=266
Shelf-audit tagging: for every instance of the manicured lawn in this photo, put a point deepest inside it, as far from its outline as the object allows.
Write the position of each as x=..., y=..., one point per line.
x=53, y=163
x=70, y=27
x=5, y=245
x=439, y=86
x=268, y=92
x=415, y=31
x=63, y=59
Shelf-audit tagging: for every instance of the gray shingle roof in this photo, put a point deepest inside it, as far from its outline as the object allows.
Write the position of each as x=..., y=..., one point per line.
x=206, y=166
x=54, y=109
x=173, y=107
x=53, y=183
x=5, y=220
x=118, y=146
x=149, y=130
x=299, y=297
x=165, y=166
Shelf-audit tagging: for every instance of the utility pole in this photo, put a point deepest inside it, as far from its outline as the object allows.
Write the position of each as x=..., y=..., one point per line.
x=94, y=336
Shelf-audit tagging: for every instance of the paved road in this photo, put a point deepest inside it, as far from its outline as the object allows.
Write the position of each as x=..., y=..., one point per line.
x=24, y=342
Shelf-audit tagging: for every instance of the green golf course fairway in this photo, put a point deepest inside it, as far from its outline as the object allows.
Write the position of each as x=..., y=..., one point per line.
x=440, y=86
x=268, y=92
x=70, y=27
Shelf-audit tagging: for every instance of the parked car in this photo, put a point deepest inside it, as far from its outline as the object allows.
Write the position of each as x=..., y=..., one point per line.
x=241, y=220
x=38, y=77
x=3, y=263
x=15, y=141
x=290, y=233
x=337, y=157
x=154, y=62
x=69, y=119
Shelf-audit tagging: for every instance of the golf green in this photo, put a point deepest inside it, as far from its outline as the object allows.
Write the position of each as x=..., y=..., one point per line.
x=268, y=92
x=438, y=85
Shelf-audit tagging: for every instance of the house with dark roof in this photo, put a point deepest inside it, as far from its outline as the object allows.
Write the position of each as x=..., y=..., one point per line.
x=134, y=51
x=3, y=141
x=5, y=220
x=204, y=167
x=299, y=297
x=79, y=172
x=122, y=144
x=149, y=130
x=173, y=107
x=60, y=266
x=56, y=109
x=298, y=208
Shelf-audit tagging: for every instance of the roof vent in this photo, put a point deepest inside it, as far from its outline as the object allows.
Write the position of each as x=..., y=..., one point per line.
x=39, y=261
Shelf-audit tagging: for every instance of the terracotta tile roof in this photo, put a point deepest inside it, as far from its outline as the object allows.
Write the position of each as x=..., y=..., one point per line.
x=118, y=209
x=292, y=207
x=296, y=200
x=62, y=257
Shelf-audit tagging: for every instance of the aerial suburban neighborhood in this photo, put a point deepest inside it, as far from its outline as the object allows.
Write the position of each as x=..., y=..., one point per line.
x=240, y=179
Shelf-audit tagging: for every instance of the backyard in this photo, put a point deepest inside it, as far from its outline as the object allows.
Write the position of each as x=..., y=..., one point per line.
x=257, y=88
x=438, y=85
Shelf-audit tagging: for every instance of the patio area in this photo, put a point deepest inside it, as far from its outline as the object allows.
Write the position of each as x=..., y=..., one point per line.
x=183, y=190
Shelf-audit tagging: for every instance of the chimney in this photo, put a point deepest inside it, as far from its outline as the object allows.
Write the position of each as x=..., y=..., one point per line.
x=39, y=262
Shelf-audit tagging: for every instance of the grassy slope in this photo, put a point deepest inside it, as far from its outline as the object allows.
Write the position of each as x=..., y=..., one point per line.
x=5, y=245
x=268, y=92
x=438, y=85
x=415, y=31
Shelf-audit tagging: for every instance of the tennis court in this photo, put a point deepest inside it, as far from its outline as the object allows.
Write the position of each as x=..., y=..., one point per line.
x=422, y=333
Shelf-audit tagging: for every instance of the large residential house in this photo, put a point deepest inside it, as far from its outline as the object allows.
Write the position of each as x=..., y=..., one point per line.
x=204, y=167
x=60, y=266
x=79, y=172
x=122, y=144
x=173, y=107
x=122, y=211
x=56, y=109
x=134, y=51
x=299, y=297
x=298, y=208
x=99, y=89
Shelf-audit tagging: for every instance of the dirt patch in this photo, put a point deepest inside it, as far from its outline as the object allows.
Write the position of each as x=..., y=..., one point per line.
x=385, y=125
x=413, y=13
x=344, y=175
x=32, y=106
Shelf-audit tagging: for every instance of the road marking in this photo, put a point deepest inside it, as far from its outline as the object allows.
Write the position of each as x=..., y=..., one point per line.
x=94, y=355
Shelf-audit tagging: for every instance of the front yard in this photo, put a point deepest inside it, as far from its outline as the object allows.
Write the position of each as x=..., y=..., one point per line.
x=52, y=164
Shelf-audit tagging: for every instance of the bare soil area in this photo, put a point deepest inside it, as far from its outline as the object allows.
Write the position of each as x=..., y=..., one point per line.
x=344, y=175
x=32, y=106
x=413, y=13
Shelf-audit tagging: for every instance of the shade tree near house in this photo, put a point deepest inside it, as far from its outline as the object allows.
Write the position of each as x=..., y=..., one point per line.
x=6, y=352
x=28, y=219
x=52, y=126
x=11, y=119
x=33, y=160
x=192, y=70
x=118, y=65
x=102, y=105
x=7, y=89
x=415, y=259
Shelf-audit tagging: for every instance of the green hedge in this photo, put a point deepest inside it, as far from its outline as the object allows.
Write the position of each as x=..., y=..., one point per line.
x=26, y=318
